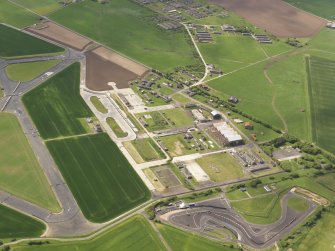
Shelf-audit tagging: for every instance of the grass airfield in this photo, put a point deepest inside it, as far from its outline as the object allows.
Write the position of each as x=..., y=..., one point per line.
x=21, y=173
x=145, y=43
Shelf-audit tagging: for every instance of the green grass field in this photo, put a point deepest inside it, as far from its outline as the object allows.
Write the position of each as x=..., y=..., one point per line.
x=321, y=84
x=16, y=225
x=221, y=167
x=116, y=128
x=101, y=179
x=260, y=210
x=148, y=149
x=144, y=40
x=98, y=105
x=21, y=174
x=298, y=204
x=15, y=15
x=41, y=7
x=14, y=43
x=320, y=237
x=56, y=106
x=134, y=234
x=28, y=71
x=165, y=119
x=322, y=8
x=181, y=240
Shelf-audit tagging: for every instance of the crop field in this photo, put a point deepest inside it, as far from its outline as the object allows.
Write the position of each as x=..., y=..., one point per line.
x=165, y=119
x=322, y=8
x=41, y=7
x=28, y=71
x=324, y=41
x=146, y=42
x=275, y=17
x=321, y=84
x=116, y=128
x=15, y=15
x=221, y=167
x=14, y=43
x=96, y=171
x=181, y=240
x=21, y=174
x=16, y=225
x=56, y=106
x=134, y=234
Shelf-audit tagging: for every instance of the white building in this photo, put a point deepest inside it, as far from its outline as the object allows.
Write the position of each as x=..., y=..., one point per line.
x=230, y=135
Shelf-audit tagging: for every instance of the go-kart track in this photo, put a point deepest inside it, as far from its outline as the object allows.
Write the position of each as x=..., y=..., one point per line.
x=217, y=215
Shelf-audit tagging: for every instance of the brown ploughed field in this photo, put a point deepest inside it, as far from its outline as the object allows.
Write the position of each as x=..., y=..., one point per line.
x=61, y=35
x=100, y=71
x=275, y=16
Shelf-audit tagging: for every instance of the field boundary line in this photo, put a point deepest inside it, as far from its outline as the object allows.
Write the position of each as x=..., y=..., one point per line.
x=310, y=13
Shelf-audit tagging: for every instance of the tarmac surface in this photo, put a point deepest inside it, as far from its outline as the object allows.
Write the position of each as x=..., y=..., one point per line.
x=217, y=215
x=70, y=221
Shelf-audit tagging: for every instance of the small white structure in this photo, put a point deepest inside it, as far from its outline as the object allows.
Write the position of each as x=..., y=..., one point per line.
x=268, y=189
x=199, y=116
x=331, y=25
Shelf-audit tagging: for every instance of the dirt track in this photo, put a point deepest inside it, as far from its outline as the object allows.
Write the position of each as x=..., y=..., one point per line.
x=100, y=71
x=61, y=35
x=275, y=16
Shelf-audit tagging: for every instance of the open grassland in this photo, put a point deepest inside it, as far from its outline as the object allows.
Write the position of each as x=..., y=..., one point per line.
x=279, y=106
x=260, y=210
x=14, y=43
x=291, y=94
x=16, y=225
x=322, y=8
x=231, y=51
x=298, y=204
x=324, y=41
x=322, y=90
x=221, y=167
x=116, y=128
x=148, y=149
x=98, y=105
x=128, y=28
x=245, y=84
x=15, y=15
x=101, y=179
x=181, y=240
x=56, y=106
x=28, y=71
x=21, y=173
x=41, y=7
x=134, y=234
x=320, y=237
x=165, y=119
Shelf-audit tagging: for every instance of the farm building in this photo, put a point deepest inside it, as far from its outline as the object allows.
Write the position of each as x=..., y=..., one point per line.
x=216, y=114
x=233, y=100
x=248, y=125
x=331, y=25
x=231, y=137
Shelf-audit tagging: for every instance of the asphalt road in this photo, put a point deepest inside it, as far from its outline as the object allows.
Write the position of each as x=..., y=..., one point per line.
x=70, y=221
x=216, y=214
